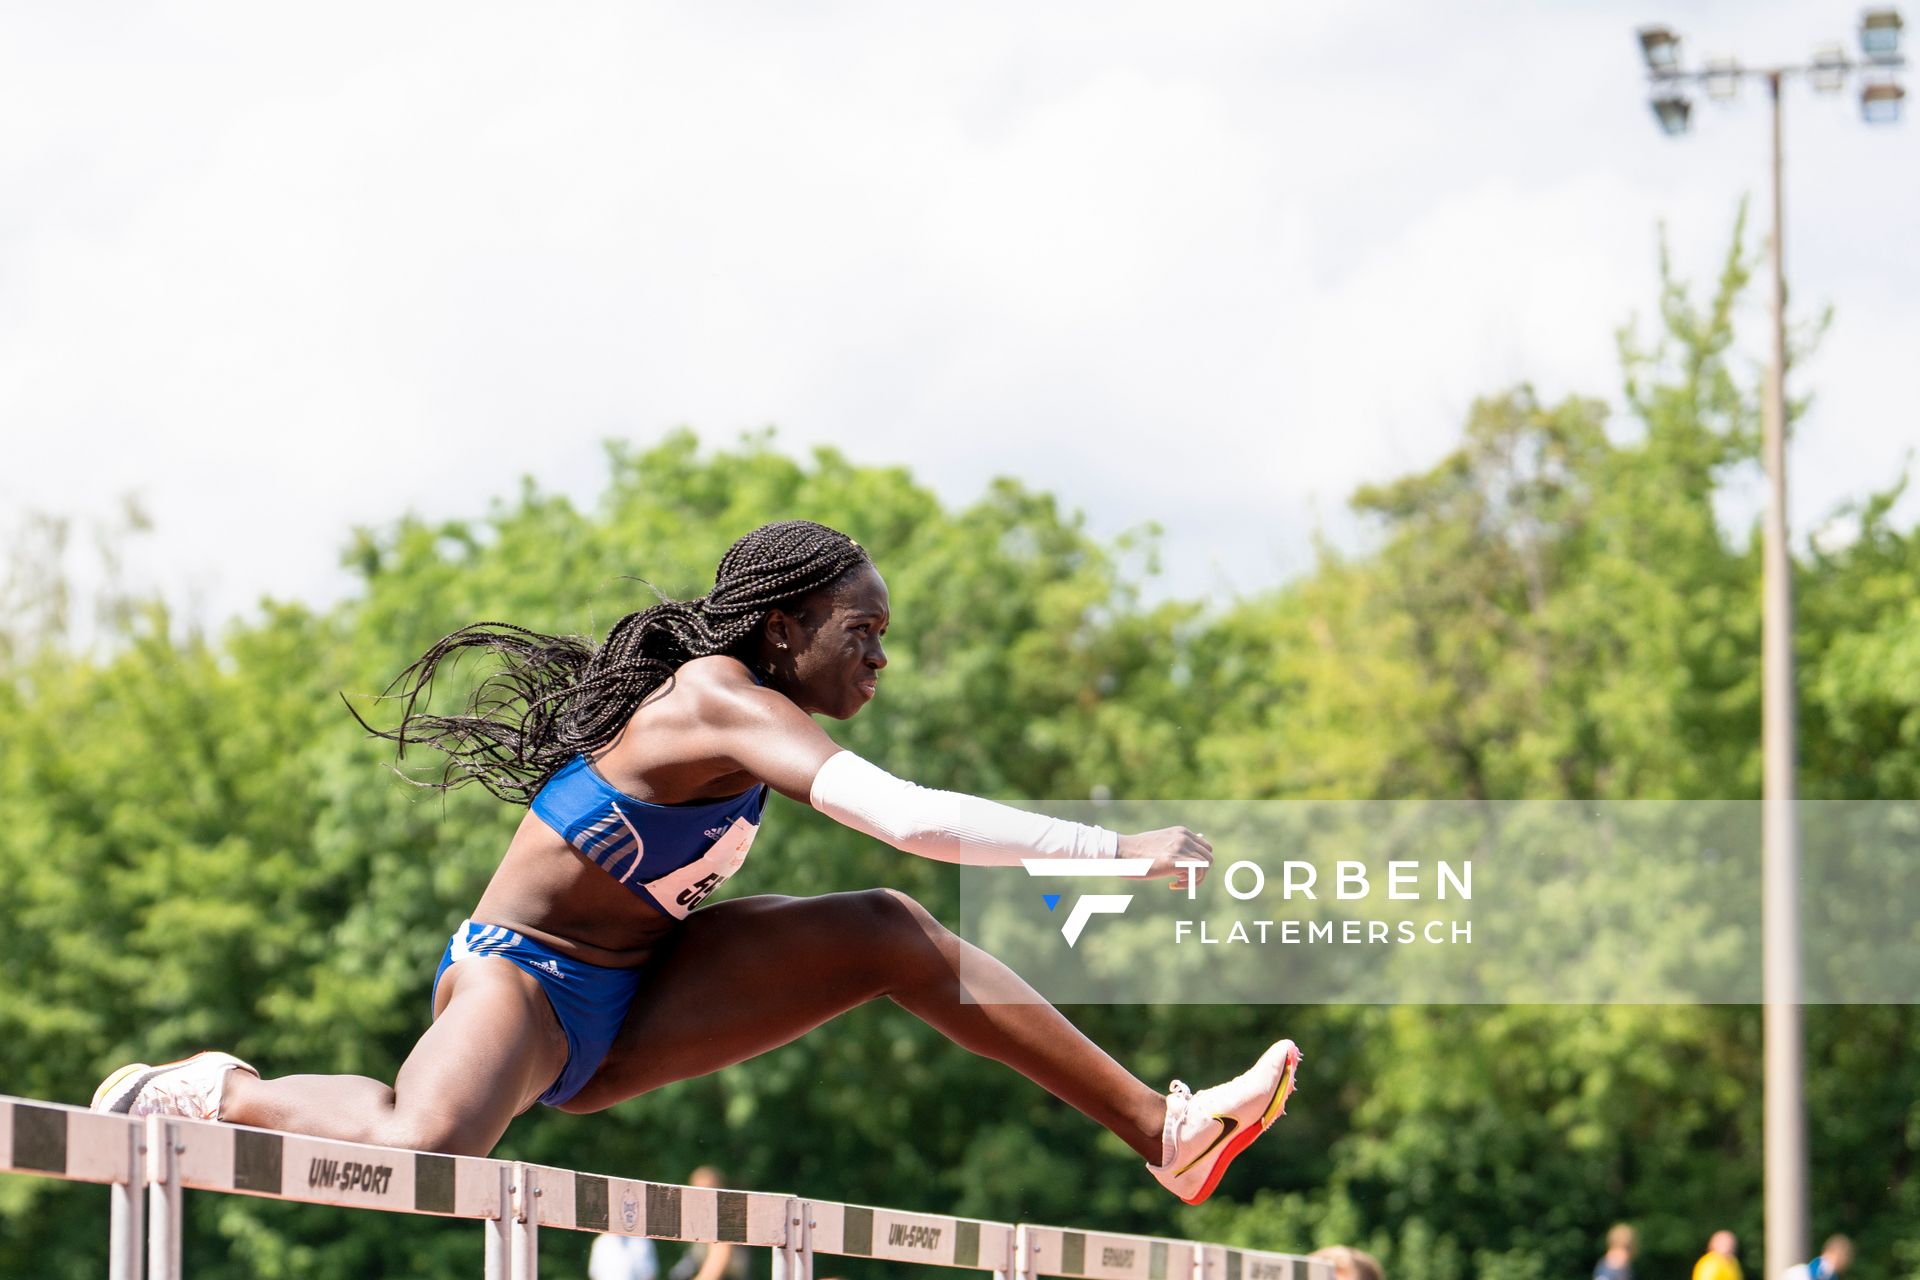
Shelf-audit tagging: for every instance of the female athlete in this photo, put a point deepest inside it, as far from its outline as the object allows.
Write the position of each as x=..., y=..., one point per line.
x=590, y=973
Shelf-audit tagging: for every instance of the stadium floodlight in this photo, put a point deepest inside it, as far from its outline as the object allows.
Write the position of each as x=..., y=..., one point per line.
x=1661, y=48
x=1880, y=33
x=1828, y=71
x=1672, y=111
x=1723, y=79
x=1880, y=102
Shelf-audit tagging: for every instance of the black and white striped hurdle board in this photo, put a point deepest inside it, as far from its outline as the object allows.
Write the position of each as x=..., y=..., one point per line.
x=858, y=1231
x=68, y=1142
x=168, y=1155
x=260, y=1162
x=1222, y=1263
x=575, y=1201
x=1095, y=1255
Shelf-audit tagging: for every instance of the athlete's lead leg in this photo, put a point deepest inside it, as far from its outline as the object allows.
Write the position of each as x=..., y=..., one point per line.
x=744, y=976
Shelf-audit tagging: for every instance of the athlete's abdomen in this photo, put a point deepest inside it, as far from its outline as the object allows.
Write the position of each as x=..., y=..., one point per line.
x=546, y=889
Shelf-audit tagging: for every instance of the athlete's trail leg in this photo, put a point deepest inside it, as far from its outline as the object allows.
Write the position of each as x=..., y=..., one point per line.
x=745, y=976
x=493, y=1049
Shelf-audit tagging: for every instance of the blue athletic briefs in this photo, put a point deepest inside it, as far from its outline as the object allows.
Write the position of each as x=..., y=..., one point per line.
x=590, y=1001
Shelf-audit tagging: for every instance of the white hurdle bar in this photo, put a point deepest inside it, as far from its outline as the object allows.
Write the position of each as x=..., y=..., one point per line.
x=165, y=1157
x=1105, y=1255
x=933, y=1240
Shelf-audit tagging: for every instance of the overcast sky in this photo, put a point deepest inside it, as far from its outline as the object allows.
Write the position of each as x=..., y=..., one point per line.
x=281, y=269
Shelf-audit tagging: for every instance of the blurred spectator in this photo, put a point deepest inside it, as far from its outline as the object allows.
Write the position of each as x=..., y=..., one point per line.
x=1349, y=1264
x=1617, y=1262
x=622, y=1258
x=1719, y=1262
x=1836, y=1255
x=711, y=1261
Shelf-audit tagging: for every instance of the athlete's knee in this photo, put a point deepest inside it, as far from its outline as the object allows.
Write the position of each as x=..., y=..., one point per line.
x=895, y=912
x=413, y=1122
x=436, y=1131
x=906, y=932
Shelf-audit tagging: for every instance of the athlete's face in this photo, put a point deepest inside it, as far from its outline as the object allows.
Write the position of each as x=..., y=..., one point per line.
x=827, y=655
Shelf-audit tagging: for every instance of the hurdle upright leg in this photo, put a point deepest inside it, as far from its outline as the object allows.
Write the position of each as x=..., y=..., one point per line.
x=499, y=1230
x=127, y=1242
x=163, y=1201
x=523, y=1232
x=786, y=1258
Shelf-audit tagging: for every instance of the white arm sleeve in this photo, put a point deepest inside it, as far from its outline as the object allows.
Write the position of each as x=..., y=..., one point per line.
x=945, y=825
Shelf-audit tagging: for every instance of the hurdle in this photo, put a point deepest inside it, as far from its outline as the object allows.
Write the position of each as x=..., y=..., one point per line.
x=151, y=1162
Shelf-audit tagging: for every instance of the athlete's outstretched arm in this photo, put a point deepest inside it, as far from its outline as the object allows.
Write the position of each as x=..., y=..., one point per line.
x=766, y=734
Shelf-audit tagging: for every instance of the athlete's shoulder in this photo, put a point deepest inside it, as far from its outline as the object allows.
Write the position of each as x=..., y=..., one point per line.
x=717, y=672
x=719, y=688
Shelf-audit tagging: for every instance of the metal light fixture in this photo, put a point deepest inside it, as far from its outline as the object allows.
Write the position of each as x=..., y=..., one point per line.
x=1880, y=102
x=1723, y=79
x=1880, y=33
x=1828, y=71
x=1661, y=48
x=1672, y=111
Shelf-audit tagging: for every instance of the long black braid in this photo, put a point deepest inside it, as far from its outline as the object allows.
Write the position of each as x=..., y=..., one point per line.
x=556, y=696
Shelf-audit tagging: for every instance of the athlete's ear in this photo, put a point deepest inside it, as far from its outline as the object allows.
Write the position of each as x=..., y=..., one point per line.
x=782, y=631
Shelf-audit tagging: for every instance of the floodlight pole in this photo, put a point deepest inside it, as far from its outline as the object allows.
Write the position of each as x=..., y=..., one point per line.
x=1784, y=1068
x=1783, y=1054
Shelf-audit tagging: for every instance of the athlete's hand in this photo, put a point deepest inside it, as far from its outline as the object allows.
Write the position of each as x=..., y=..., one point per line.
x=1166, y=847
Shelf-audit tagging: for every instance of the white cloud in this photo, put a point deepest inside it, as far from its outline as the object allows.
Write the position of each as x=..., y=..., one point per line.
x=1206, y=266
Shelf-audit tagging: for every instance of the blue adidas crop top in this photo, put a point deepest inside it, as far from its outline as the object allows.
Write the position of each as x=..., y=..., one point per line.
x=670, y=855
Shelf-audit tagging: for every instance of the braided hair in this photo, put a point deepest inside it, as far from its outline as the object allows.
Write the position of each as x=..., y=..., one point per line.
x=557, y=696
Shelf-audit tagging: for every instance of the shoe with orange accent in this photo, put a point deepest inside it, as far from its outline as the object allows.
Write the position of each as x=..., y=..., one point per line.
x=190, y=1087
x=1206, y=1130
